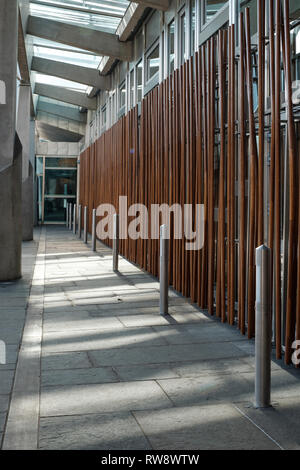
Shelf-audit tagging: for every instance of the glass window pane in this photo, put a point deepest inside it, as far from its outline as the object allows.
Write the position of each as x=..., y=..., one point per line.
x=60, y=182
x=182, y=38
x=193, y=26
x=139, y=73
x=47, y=49
x=104, y=116
x=122, y=96
x=50, y=80
x=298, y=41
x=212, y=8
x=61, y=162
x=132, y=89
x=40, y=196
x=55, y=209
x=83, y=13
x=171, y=46
x=153, y=63
x=39, y=165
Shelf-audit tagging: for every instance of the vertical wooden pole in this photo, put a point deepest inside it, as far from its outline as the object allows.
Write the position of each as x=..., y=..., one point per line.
x=253, y=182
x=211, y=155
x=220, y=301
x=277, y=184
x=242, y=183
x=293, y=194
x=261, y=119
x=272, y=148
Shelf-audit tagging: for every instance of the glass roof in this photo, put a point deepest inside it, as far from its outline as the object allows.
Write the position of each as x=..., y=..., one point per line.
x=49, y=80
x=102, y=15
x=63, y=53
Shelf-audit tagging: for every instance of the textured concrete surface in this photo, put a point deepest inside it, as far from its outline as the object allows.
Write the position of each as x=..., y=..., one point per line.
x=214, y=427
x=113, y=431
x=11, y=215
x=117, y=375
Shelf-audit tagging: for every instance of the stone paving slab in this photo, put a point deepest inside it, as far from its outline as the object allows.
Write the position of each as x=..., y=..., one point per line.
x=146, y=372
x=123, y=311
x=216, y=367
x=115, y=374
x=196, y=390
x=101, y=339
x=78, y=376
x=12, y=302
x=204, y=333
x=2, y=421
x=131, y=321
x=113, y=431
x=60, y=361
x=10, y=322
x=162, y=354
x=11, y=357
x=281, y=421
x=213, y=427
x=275, y=364
x=185, y=317
x=6, y=380
x=86, y=399
x=80, y=324
x=154, y=304
x=59, y=304
x=11, y=335
x=68, y=311
x=89, y=294
x=4, y=402
x=284, y=383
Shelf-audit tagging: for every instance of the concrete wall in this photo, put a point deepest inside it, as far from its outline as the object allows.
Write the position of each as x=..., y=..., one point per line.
x=11, y=217
x=60, y=149
x=10, y=148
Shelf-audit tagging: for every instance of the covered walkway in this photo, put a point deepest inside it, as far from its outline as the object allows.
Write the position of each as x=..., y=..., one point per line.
x=114, y=374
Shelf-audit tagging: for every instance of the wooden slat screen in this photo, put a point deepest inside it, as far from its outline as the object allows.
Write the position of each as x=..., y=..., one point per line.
x=196, y=142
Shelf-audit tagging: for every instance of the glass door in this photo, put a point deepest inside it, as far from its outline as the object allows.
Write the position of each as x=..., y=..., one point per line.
x=56, y=186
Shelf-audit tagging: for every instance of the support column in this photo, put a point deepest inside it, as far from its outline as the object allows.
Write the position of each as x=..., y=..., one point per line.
x=24, y=133
x=10, y=148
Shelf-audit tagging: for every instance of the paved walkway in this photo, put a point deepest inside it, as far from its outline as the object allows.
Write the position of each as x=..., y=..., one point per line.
x=13, y=305
x=114, y=374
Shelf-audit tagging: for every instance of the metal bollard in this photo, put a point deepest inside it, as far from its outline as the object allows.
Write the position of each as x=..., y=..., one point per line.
x=164, y=270
x=85, y=216
x=74, y=218
x=79, y=221
x=116, y=244
x=94, y=237
x=67, y=215
x=70, y=216
x=263, y=329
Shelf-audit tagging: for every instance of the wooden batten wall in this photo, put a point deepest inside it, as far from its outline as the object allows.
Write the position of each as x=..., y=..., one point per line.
x=199, y=140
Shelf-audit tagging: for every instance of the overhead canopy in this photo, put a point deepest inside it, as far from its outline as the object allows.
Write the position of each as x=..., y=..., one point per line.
x=100, y=17
x=104, y=15
x=76, y=33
